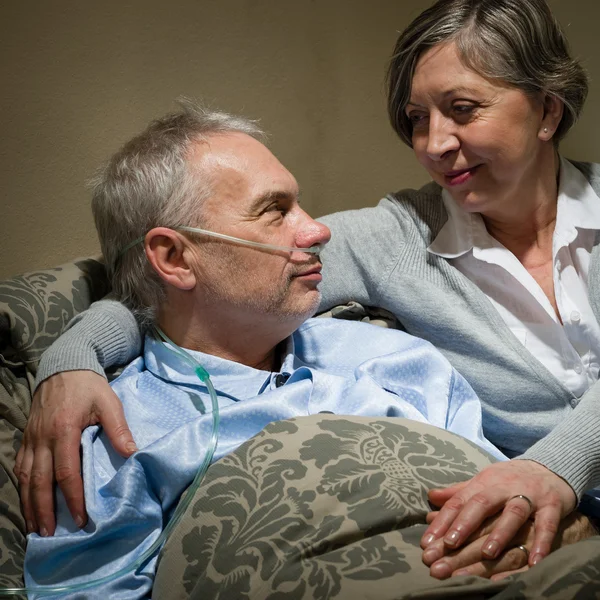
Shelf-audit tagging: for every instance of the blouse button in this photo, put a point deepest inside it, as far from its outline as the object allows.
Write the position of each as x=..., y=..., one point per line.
x=575, y=316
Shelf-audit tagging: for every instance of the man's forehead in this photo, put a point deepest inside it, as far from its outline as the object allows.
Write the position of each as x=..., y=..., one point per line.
x=229, y=150
x=241, y=166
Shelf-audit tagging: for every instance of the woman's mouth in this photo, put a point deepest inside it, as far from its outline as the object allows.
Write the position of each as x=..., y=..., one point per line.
x=458, y=177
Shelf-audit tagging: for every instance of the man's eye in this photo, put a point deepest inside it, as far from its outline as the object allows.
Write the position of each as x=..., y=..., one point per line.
x=274, y=208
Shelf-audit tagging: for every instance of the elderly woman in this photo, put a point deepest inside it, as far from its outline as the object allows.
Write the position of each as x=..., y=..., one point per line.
x=495, y=262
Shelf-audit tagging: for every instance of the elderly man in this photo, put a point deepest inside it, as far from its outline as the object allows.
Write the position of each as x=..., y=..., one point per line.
x=237, y=303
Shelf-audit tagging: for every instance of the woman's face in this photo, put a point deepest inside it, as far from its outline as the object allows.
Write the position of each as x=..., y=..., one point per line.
x=479, y=139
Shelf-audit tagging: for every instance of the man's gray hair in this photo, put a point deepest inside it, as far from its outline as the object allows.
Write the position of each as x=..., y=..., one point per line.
x=148, y=184
x=516, y=41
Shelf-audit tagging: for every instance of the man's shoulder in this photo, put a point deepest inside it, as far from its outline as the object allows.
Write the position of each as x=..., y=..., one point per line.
x=342, y=336
x=129, y=375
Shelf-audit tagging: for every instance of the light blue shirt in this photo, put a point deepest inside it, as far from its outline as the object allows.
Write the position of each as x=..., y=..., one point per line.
x=343, y=367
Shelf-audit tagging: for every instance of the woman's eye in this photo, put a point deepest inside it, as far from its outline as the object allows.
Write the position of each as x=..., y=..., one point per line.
x=464, y=109
x=417, y=118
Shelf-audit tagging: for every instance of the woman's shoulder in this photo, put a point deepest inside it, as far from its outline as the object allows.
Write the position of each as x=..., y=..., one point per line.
x=591, y=172
x=407, y=209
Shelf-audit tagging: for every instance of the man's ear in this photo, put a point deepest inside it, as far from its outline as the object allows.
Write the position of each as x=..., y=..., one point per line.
x=166, y=251
x=553, y=113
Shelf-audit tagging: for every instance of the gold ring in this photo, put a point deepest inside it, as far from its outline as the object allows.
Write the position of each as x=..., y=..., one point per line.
x=521, y=497
x=521, y=547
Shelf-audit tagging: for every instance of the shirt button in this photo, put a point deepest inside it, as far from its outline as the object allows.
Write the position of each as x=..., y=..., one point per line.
x=281, y=378
x=575, y=316
x=578, y=369
x=558, y=265
x=573, y=403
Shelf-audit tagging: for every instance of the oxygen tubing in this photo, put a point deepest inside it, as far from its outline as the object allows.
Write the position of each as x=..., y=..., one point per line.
x=186, y=498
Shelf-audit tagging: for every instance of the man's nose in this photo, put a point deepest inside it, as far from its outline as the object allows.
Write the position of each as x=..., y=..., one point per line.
x=442, y=137
x=312, y=232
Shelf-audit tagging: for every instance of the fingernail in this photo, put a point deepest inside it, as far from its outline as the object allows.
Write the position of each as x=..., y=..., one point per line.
x=431, y=555
x=131, y=447
x=491, y=549
x=30, y=527
x=79, y=521
x=441, y=570
x=43, y=532
x=451, y=539
x=536, y=559
x=428, y=539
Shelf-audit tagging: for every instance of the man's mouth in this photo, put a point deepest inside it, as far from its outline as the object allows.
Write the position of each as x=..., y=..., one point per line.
x=311, y=273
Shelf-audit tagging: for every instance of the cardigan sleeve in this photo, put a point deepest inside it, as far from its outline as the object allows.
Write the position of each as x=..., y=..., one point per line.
x=571, y=449
x=103, y=336
x=365, y=248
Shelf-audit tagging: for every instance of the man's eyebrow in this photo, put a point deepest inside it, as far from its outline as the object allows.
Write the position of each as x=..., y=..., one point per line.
x=273, y=195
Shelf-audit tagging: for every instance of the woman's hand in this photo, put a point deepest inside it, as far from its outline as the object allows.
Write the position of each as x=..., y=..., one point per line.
x=508, y=486
x=469, y=560
x=62, y=407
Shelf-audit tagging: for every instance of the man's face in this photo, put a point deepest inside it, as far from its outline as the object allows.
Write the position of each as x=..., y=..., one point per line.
x=254, y=197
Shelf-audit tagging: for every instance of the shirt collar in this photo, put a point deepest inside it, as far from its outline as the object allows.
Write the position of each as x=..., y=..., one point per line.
x=231, y=378
x=578, y=206
x=455, y=238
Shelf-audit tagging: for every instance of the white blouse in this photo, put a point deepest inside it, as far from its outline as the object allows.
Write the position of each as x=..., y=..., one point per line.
x=571, y=350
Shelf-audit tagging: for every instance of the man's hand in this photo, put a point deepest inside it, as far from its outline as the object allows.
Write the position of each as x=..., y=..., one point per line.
x=469, y=560
x=62, y=407
x=466, y=505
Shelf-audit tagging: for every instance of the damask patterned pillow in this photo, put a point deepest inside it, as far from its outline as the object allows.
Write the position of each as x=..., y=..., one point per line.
x=36, y=307
x=354, y=311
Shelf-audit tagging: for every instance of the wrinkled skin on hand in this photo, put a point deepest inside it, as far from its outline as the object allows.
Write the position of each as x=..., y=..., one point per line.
x=468, y=560
x=467, y=505
x=62, y=407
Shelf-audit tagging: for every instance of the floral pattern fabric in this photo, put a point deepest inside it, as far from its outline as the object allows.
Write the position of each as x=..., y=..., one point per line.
x=334, y=507
x=34, y=310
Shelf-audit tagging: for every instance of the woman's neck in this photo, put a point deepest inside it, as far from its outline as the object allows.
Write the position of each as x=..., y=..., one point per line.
x=527, y=223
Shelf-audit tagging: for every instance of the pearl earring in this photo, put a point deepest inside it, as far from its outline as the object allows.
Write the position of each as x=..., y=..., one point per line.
x=545, y=130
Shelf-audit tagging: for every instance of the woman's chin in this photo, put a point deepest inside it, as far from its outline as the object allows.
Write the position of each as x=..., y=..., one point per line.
x=470, y=201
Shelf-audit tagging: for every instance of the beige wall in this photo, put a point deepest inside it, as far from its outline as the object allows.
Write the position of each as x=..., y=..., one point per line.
x=79, y=78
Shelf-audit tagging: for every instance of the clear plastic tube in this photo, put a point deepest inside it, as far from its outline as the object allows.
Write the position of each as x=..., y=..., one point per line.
x=186, y=498
x=316, y=249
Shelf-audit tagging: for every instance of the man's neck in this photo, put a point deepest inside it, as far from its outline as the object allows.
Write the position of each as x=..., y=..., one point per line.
x=256, y=343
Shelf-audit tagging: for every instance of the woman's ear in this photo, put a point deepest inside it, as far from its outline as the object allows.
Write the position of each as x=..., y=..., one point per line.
x=553, y=113
x=165, y=249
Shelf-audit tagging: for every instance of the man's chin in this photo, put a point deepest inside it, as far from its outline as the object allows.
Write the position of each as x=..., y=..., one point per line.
x=307, y=307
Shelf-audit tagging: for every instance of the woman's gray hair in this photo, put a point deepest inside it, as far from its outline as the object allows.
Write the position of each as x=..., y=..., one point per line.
x=516, y=41
x=148, y=184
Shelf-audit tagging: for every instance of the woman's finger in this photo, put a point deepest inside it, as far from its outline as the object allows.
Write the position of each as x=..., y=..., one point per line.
x=474, y=512
x=514, y=516
x=41, y=492
x=547, y=522
x=448, y=514
x=67, y=471
x=24, y=477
